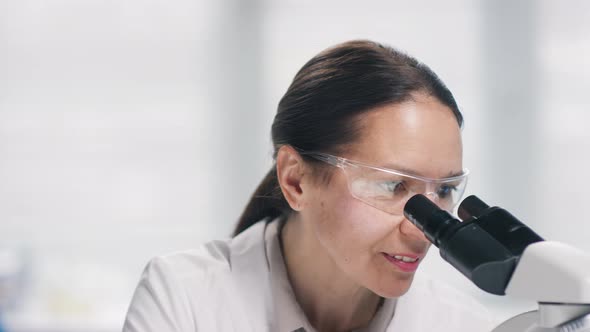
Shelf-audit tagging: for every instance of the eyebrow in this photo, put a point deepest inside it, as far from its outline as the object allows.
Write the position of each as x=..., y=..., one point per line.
x=413, y=172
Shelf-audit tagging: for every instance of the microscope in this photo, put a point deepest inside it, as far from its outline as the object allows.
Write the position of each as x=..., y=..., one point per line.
x=503, y=256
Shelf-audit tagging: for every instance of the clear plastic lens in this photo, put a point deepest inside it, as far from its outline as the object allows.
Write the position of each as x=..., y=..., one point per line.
x=389, y=192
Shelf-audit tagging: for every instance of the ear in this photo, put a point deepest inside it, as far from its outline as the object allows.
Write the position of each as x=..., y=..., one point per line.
x=290, y=173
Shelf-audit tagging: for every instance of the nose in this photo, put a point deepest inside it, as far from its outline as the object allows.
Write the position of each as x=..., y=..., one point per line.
x=431, y=196
x=434, y=198
x=408, y=229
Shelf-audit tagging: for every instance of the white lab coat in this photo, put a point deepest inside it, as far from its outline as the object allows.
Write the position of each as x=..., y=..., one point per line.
x=240, y=284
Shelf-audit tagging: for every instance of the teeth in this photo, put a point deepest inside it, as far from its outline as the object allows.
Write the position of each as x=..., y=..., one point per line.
x=405, y=259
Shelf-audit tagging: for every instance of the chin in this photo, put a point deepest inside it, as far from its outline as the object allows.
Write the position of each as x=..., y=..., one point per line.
x=395, y=288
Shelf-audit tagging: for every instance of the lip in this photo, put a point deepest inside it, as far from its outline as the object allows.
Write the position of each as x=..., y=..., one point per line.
x=404, y=266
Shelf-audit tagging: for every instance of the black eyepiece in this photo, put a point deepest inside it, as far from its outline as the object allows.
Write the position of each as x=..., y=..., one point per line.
x=429, y=218
x=471, y=206
x=419, y=209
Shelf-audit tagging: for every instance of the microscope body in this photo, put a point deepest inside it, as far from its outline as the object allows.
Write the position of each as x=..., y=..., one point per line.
x=557, y=276
x=503, y=256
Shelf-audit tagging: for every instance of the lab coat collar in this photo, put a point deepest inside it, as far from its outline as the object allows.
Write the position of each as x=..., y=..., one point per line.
x=289, y=315
x=251, y=278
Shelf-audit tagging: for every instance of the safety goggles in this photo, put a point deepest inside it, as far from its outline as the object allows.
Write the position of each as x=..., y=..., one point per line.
x=388, y=190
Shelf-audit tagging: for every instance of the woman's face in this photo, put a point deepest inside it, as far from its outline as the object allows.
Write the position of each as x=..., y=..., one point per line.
x=422, y=136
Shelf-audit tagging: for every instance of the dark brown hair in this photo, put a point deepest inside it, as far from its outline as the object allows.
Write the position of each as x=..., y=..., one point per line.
x=332, y=89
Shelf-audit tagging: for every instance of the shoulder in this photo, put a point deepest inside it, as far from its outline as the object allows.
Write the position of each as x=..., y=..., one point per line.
x=212, y=260
x=188, y=290
x=187, y=265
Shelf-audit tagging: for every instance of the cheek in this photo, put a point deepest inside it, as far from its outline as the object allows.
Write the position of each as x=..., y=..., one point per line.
x=354, y=234
x=352, y=231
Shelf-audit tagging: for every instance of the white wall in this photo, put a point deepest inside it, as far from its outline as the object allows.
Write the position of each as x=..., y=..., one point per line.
x=134, y=128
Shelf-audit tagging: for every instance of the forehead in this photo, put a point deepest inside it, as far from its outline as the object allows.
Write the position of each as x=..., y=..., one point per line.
x=420, y=136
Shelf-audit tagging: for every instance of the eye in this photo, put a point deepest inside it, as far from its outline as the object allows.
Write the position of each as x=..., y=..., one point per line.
x=393, y=186
x=445, y=191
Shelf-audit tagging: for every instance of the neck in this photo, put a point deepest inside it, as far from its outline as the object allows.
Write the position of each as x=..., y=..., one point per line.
x=330, y=300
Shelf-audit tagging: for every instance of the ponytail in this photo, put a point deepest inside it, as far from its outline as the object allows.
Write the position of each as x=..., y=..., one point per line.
x=266, y=202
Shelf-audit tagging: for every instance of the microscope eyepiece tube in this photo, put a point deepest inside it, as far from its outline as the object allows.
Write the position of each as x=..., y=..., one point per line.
x=485, y=247
x=429, y=218
x=471, y=206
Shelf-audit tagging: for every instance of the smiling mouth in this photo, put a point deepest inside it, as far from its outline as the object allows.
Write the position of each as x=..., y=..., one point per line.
x=405, y=263
x=405, y=258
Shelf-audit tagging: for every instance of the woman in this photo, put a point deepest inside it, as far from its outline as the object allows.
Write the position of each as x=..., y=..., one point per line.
x=323, y=244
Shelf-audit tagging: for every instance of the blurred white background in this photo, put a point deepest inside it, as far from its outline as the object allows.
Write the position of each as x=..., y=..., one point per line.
x=130, y=129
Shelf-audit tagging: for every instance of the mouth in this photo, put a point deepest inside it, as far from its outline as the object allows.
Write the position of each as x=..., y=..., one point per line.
x=404, y=262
